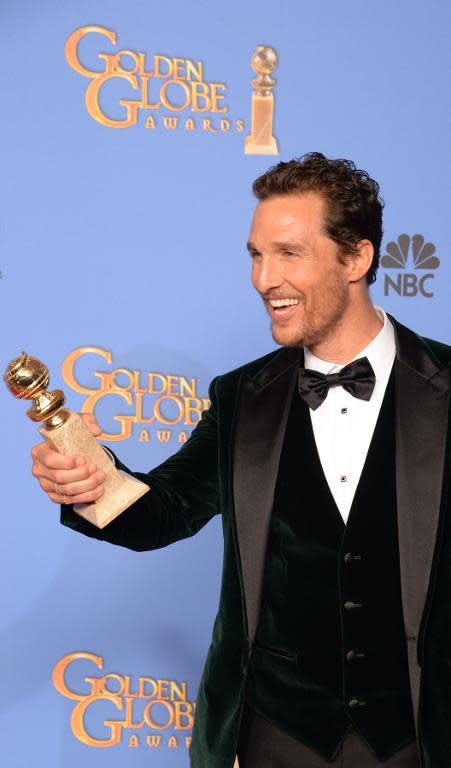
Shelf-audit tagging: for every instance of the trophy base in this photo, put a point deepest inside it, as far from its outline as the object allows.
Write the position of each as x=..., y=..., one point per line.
x=121, y=489
x=252, y=148
x=106, y=509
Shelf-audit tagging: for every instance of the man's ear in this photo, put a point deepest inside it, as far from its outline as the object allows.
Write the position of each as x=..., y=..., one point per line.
x=360, y=260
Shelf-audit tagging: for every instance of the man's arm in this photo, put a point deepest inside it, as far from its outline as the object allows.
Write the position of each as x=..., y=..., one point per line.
x=183, y=494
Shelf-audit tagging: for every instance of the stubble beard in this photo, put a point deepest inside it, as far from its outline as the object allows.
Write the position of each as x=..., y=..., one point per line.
x=329, y=307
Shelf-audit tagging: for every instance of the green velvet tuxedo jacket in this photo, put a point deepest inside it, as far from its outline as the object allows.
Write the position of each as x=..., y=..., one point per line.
x=229, y=466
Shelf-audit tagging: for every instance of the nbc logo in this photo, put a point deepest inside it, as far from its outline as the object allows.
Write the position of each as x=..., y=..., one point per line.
x=422, y=256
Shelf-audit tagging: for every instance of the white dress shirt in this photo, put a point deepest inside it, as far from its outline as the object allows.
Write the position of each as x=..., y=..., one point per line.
x=343, y=425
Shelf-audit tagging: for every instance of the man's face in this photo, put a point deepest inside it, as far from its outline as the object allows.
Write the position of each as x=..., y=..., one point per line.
x=295, y=269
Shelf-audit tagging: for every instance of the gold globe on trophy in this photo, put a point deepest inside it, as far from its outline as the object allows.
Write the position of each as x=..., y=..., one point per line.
x=27, y=378
x=261, y=140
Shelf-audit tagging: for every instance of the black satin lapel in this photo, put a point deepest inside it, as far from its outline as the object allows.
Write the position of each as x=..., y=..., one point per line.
x=422, y=421
x=422, y=404
x=261, y=423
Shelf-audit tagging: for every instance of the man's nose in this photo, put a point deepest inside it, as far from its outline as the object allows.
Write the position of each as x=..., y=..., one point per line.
x=266, y=274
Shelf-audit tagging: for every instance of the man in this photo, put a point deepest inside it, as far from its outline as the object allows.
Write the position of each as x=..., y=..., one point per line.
x=328, y=461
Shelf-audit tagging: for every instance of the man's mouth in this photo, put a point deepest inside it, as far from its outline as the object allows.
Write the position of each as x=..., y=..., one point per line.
x=282, y=307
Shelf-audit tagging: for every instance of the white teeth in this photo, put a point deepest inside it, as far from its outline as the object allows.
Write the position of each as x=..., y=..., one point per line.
x=283, y=302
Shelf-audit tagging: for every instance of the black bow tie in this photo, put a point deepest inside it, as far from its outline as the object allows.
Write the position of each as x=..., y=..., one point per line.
x=357, y=378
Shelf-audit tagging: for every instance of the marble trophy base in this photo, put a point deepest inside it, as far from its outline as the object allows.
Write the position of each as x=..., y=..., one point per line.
x=121, y=490
x=252, y=148
x=261, y=141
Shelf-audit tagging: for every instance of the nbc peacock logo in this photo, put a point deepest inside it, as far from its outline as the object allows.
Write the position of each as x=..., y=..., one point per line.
x=422, y=258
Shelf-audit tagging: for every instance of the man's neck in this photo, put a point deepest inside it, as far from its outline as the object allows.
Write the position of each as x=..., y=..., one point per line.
x=352, y=334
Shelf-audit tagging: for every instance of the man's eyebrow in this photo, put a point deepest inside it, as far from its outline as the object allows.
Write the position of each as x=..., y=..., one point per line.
x=289, y=245
x=280, y=245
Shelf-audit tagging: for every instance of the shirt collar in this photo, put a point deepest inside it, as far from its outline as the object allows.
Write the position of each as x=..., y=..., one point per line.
x=380, y=352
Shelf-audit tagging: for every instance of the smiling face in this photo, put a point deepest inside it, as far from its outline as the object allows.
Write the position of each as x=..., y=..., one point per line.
x=295, y=268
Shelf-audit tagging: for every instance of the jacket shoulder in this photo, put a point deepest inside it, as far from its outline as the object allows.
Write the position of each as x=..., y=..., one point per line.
x=441, y=351
x=230, y=378
x=262, y=371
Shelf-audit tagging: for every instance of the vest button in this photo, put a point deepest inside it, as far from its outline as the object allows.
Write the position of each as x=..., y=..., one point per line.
x=352, y=654
x=354, y=703
x=349, y=556
x=349, y=605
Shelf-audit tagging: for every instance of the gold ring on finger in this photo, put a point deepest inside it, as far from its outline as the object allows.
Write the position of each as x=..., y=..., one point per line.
x=66, y=500
x=57, y=490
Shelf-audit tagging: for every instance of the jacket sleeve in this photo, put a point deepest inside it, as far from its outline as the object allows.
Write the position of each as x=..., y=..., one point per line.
x=183, y=494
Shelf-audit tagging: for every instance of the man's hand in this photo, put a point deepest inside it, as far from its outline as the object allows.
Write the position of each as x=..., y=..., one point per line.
x=70, y=479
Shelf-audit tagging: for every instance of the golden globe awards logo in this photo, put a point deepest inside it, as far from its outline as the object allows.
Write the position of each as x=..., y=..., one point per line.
x=171, y=93
x=424, y=262
x=164, y=407
x=146, y=711
x=152, y=85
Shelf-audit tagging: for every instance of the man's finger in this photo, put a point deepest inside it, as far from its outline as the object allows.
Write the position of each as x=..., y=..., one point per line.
x=47, y=455
x=73, y=488
x=63, y=476
x=92, y=423
x=84, y=498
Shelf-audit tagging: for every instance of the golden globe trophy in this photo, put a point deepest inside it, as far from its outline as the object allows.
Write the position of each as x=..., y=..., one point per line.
x=261, y=140
x=27, y=378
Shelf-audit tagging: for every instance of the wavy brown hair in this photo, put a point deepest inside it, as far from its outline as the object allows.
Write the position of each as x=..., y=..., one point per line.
x=353, y=202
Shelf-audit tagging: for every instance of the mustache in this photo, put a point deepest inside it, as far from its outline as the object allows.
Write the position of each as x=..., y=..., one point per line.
x=274, y=295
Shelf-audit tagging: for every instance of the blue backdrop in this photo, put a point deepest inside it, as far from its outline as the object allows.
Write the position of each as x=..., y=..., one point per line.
x=126, y=247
